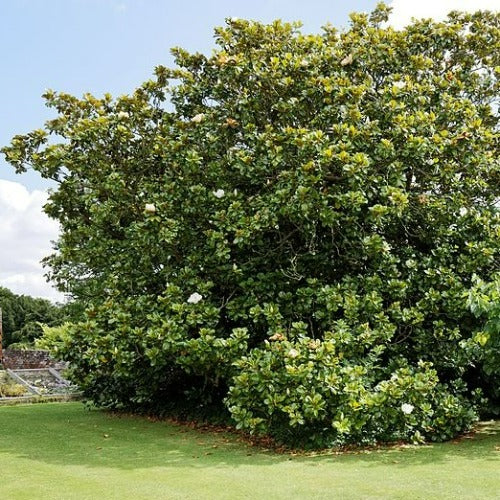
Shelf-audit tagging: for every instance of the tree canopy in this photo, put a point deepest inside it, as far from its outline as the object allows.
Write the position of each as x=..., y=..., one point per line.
x=289, y=227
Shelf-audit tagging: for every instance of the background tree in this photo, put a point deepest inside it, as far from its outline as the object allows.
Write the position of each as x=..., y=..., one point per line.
x=290, y=226
x=23, y=317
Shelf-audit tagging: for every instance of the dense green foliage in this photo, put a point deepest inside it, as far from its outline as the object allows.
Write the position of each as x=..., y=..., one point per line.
x=484, y=301
x=24, y=317
x=290, y=226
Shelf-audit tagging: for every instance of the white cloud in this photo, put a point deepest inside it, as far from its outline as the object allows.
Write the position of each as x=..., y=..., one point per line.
x=25, y=238
x=404, y=10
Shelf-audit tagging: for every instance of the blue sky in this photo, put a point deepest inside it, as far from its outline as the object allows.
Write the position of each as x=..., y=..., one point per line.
x=100, y=46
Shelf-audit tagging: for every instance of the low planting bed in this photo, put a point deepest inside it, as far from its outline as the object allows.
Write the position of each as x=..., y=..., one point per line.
x=31, y=385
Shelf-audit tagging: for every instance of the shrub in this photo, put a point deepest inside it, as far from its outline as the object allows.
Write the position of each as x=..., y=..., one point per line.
x=308, y=394
x=8, y=390
x=54, y=337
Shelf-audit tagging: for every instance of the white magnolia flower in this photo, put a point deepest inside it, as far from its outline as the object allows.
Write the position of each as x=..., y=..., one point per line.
x=194, y=298
x=198, y=118
x=399, y=84
x=463, y=211
x=407, y=408
x=219, y=193
x=412, y=264
x=293, y=353
x=347, y=60
x=123, y=114
x=150, y=208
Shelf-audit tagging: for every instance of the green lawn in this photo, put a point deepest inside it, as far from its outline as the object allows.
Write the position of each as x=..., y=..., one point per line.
x=63, y=451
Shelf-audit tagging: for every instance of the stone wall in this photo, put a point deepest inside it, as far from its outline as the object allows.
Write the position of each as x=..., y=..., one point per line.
x=23, y=359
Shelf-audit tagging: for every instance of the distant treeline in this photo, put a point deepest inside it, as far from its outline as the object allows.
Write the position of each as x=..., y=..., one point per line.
x=23, y=317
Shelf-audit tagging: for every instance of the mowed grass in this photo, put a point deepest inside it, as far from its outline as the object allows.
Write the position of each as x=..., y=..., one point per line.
x=64, y=451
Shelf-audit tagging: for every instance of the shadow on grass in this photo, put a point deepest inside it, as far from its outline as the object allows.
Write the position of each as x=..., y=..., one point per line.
x=69, y=434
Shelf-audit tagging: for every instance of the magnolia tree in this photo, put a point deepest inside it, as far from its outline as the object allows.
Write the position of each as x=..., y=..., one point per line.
x=288, y=229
